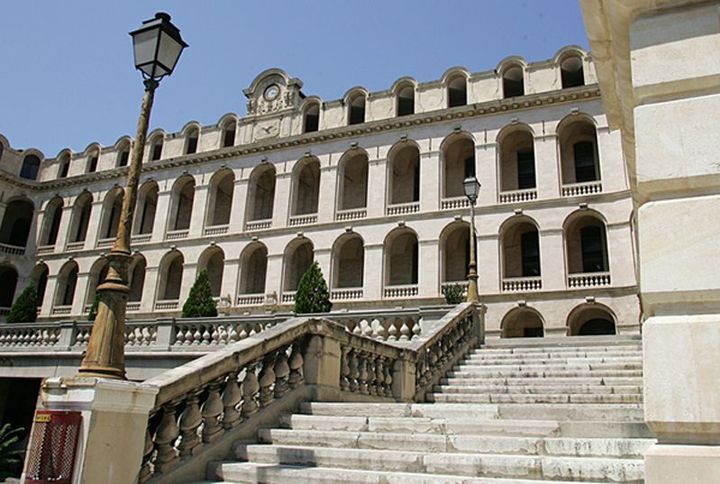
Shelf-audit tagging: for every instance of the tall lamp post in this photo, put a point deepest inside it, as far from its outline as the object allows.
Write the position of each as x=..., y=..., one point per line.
x=472, y=188
x=157, y=47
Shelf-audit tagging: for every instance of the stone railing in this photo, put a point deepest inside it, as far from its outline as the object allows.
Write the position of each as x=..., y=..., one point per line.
x=4, y=311
x=133, y=306
x=577, y=189
x=288, y=297
x=346, y=293
x=403, y=208
x=61, y=310
x=588, y=279
x=45, y=249
x=204, y=406
x=106, y=242
x=11, y=249
x=250, y=299
x=216, y=230
x=306, y=219
x=454, y=203
x=521, y=284
x=76, y=245
x=406, y=290
x=141, y=238
x=258, y=225
x=167, y=305
x=177, y=234
x=515, y=196
x=351, y=214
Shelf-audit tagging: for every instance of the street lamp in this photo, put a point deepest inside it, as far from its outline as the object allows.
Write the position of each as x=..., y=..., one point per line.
x=157, y=47
x=472, y=188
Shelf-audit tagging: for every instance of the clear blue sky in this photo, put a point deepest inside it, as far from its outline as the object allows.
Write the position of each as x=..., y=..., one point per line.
x=68, y=77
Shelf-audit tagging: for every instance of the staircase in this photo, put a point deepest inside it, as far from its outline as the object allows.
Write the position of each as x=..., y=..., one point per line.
x=522, y=411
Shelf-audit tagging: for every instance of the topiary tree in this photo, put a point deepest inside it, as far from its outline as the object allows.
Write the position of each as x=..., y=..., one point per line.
x=453, y=293
x=312, y=294
x=10, y=455
x=25, y=308
x=200, y=303
x=92, y=314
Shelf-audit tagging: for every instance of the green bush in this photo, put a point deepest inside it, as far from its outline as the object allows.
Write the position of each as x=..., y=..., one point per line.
x=454, y=293
x=25, y=308
x=10, y=456
x=200, y=303
x=92, y=314
x=312, y=294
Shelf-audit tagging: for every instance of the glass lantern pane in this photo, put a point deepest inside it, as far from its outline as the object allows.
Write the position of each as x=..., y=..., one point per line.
x=169, y=52
x=144, y=44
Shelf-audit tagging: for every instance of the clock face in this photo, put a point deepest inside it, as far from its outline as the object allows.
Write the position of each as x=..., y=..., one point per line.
x=271, y=92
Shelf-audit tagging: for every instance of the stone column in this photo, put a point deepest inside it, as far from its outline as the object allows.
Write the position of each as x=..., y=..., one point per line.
x=377, y=187
x=282, y=202
x=49, y=300
x=430, y=181
x=198, y=219
x=147, y=300
x=64, y=230
x=326, y=197
x=613, y=171
x=547, y=167
x=428, y=268
x=552, y=260
x=373, y=272
x=93, y=230
x=162, y=216
x=487, y=174
x=620, y=255
x=488, y=264
x=239, y=204
x=660, y=78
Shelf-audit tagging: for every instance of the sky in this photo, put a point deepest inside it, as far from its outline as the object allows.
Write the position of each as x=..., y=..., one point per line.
x=68, y=77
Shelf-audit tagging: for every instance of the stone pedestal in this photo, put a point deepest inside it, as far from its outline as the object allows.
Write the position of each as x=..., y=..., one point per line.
x=113, y=428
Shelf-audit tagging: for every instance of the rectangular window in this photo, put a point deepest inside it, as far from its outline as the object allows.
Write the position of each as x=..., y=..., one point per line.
x=229, y=137
x=530, y=248
x=585, y=166
x=526, y=169
x=157, y=151
x=406, y=106
x=192, y=145
x=124, y=156
x=92, y=167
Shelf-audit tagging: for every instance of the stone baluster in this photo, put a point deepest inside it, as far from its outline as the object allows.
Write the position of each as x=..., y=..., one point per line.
x=387, y=377
x=266, y=380
x=352, y=371
x=146, y=468
x=282, y=372
x=190, y=420
x=379, y=377
x=165, y=437
x=404, y=331
x=345, y=368
x=230, y=400
x=392, y=331
x=296, y=366
x=250, y=387
x=211, y=410
x=363, y=386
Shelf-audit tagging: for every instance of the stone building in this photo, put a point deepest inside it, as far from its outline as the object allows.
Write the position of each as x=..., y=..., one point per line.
x=369, y=185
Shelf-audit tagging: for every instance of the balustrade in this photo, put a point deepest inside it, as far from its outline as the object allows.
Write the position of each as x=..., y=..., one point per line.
x=167, y=305
x=258, y=225
x=107, y=242
x=351, y=214
x=515, y=196
x=307, y=219
x=216, y=230
x=585, y=188
x=454, y=203
x=141, y=238
x=76, y=245
x=521, y=284
x=403, y=208
x=408, y=290
x=589, y=279
x=288, y=297
x=177, y=234
x=45, y=249
x=250, y=299
x=346, y=294
x=11, y=249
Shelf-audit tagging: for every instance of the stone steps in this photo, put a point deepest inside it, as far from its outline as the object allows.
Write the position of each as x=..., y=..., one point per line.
x=526, y=411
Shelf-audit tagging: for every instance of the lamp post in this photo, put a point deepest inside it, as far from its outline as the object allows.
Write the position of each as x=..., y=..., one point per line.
x=157, y=47
x=472, y=188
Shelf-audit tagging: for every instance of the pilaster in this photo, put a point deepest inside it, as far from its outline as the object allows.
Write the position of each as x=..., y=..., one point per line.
x=429, y=270
x=547, y=167
x=162, y=216
x=282, y=202
x=326, y=198
x=373, y=272
x=377, y=187
x=198, y=219
x=239, y=204
x=430, y=181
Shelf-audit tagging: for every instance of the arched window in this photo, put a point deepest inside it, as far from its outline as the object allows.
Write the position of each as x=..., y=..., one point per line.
x=591, y=320
x=578, y=152
x=123, y=157
x=401, y=258
x=16, y=223
x=66, y=282
x=191, y=140
x=182, y=202
x=156, y=147
x=311, y=118
x=92, y=161
x=64, y=165
x=213, y=260
x=517, y=159
x=30, y=167
x=9, y=277
x=348, y=262
x=404, y=176
x=146, y=208
x=513, y=81
x=299, y=257
x=571, y=72
x=39, y=278
x=520, y=254
x=228, y=133
x=455, y=246
x=353, y=176
x=457, y=91
x=253, y=269
x=405, y=100
x=81, y=217
x=222, y=185
x=586, y=241
x=53, y=216
x=458, y=154
x=356, y=109
x=261, y=193
x=307, y=187
x=112, y=208
x=522, y=322
x=171, y=271
x=136, y=276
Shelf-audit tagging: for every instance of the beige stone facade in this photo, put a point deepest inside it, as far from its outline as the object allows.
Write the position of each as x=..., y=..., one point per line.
x=370, y=186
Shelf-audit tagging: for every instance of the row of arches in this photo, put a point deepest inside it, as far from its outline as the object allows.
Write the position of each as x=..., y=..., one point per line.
x=583, y=320
x=400, y=266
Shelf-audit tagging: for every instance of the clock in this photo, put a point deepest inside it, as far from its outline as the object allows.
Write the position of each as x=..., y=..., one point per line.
x=272, y=92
